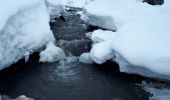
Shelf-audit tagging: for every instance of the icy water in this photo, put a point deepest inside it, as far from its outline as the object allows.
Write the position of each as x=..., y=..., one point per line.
x=69, y=79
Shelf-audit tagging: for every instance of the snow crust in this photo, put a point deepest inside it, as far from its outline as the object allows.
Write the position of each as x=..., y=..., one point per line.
x=52, y=54
x=141, y=42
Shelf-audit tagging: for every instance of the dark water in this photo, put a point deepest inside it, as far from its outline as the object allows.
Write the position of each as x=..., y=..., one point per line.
x=69, y=79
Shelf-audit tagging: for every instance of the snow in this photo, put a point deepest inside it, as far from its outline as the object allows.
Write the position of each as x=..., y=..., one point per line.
x=141, y=41
x=100, y=35
x=24, y=29
x=76, y=3
x=101, y=52
x=85, y=58
x=52, y=54
x=145, y=44
x=55, y=8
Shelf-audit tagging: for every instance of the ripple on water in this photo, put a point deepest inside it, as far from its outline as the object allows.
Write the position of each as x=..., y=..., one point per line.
x=66, y=70
x=158, y=91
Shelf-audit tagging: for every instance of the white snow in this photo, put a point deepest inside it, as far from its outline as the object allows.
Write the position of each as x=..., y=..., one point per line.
x=100, y=35
x=52, y=54
x=101, y=52
x=55, y=8
x=85, y=58
x=76, y=3
x=141, y=41
x=24, y=29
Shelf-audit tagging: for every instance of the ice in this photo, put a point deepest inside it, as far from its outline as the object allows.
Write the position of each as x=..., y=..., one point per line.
x=85, y=58
x=52, y=54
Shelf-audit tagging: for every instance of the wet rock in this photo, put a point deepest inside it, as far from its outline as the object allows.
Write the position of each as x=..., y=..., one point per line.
x=154, y=2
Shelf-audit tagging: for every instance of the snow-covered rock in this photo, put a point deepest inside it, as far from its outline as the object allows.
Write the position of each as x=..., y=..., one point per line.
x=52, y=54
x=85, y=58
x=55, y=8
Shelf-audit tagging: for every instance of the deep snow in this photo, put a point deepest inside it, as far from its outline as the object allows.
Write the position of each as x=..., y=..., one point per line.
x=24, y=29
x=141, y=41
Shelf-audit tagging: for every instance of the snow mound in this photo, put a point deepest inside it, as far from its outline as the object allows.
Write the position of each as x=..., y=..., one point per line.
x=52, y=54
x=100, y=35
x=101, y=52
x=142, y=40
x=113, y=14
x=145, y=44
x=85, y=58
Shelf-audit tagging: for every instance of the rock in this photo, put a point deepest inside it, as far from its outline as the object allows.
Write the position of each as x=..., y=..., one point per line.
x=154, y=2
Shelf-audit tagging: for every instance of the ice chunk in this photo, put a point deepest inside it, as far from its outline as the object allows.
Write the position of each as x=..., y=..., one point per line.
x=51, y=54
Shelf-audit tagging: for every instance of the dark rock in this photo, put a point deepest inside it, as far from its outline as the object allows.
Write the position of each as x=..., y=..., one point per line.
x=154, y=2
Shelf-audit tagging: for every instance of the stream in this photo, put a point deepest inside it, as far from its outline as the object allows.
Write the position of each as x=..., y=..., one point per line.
x=69, y=79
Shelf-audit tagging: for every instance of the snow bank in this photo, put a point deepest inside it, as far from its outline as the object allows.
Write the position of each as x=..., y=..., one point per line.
x=55, y=8
x=113, y=14
x=145, y=44
x=142, y=40
x=24, y=29
x=52, y=54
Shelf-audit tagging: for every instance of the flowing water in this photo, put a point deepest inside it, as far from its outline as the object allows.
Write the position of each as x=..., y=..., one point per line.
x=69, y=79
